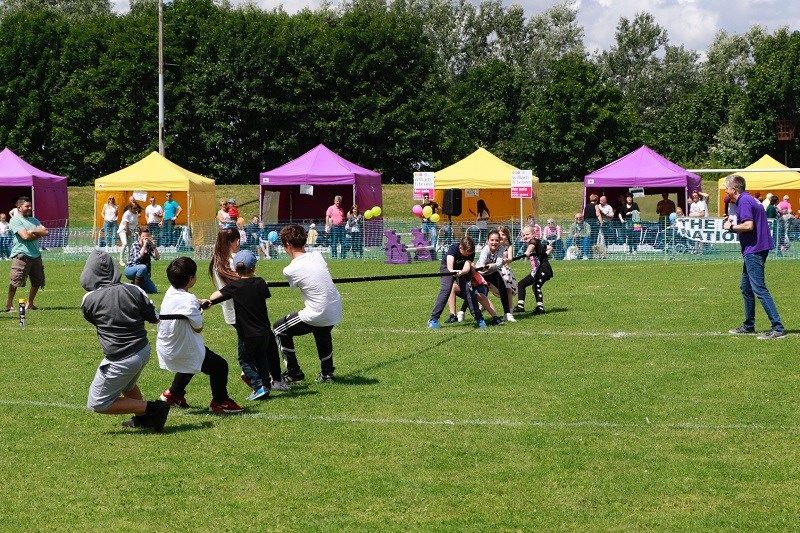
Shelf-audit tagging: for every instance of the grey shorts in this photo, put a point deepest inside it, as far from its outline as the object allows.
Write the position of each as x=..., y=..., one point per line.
x=115, y=377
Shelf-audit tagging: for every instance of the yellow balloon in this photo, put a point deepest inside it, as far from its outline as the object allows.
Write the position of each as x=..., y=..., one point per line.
x=435, y=218
x=376, y=211
x=367, y=214
x=427, y=211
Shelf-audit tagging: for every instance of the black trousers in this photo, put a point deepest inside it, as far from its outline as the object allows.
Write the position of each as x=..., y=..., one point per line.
x=446, y=285
x=258, y=358
x=289, y=327
x=537, y=279
x=216, y=368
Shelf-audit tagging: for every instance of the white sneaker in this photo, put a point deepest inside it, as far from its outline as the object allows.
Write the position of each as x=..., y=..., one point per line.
x=280, y=385
x=460, y=316
x=510, y=318
x=585, y=258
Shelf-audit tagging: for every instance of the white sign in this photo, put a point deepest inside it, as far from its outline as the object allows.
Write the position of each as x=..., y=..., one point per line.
x=637, y=192
x=423, y=183
x=307, y=189
x=140, y=196
x=522, y=184
x=471, y=193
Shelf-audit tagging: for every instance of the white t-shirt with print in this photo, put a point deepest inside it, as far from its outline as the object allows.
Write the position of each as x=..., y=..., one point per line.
x=110, y=213
x=180, y=348
x=310, y=274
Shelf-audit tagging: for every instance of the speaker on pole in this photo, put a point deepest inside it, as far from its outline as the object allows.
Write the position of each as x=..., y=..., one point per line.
x=451, y=205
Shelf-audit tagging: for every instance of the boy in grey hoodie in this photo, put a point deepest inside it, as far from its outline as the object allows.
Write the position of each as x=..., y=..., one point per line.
x=119, y=311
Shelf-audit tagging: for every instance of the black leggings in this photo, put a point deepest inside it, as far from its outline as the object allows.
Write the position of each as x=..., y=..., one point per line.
x=216, y=368
x=289, y=327
x=537, y=279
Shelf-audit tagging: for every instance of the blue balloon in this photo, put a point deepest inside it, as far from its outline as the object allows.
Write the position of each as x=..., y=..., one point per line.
x=272, y=236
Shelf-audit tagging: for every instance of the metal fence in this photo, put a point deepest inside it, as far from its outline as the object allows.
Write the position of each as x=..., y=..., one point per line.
x=406, y=241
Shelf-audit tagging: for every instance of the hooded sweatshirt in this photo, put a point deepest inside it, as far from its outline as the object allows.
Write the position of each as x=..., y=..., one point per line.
x=117, y=310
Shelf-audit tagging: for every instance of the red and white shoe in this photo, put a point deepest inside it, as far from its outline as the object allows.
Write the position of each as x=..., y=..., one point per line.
x=228, y=407
x=174, y=400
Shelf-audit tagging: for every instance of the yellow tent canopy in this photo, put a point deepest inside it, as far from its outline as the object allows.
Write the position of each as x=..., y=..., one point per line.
x=155, y=175
x=484, y=176
x=779, y=183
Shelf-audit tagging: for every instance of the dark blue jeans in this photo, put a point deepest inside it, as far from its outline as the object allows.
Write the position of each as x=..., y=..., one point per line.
x=752, y=286
x=337, y=241
x=141, y=271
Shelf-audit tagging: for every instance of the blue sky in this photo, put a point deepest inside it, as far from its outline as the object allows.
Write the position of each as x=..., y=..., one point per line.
x=692, y=23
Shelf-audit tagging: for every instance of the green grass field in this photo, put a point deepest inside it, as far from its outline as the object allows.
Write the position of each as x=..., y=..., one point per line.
x=626, y=407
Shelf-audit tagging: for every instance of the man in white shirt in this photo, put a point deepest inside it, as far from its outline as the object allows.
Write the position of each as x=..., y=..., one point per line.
x=323, y=306
x=155, y=216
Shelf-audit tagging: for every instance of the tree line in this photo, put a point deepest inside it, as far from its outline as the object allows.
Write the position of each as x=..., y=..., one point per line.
x=394, y=85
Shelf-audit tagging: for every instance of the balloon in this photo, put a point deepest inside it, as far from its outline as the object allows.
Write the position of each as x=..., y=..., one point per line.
x=417, y=210
x=427, y=211
x=376, y=211
x=368, y=214
x=434, y=218
x=272, y=236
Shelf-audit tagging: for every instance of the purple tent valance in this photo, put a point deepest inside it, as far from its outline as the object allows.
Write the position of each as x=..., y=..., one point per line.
x=318, y=166
x=643, y=168
x=20, y=178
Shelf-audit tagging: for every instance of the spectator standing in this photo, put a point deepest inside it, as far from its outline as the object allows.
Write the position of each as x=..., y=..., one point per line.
x=171, y=212
x=664, y=208
x=110, y=213
x=26, y=255
x=627, y=214
x=223, y=217
x=354, y=227
x=5, y=238
x=154, y=214
x=756, y=242
x=481, y=220
x=590, y=217
x=428, y=226
x=605, y=215
x=699, y=207
x=335, y=219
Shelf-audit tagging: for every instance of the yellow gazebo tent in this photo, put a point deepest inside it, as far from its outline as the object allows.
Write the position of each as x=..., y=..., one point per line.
x=155, y=175
x=484, y=176
x=778, y=183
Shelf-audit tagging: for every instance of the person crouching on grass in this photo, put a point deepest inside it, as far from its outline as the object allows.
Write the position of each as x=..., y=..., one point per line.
x=538, y=253
x=119, y=311
x=258, y=354
x=323, y=306
x=180, y=345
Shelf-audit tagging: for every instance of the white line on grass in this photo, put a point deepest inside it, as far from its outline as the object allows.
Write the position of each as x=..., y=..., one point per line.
x=568, y=333
x=495, y=423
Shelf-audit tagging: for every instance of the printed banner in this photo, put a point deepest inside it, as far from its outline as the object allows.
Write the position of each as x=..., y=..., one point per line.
x=423, y=183
x=708, y=230
x=140, y=196
x=522, y=184
x=306, y=189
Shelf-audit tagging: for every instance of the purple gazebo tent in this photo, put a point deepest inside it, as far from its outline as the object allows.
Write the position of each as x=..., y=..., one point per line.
x=329, y=174
x=48, y=192
x=643, y=168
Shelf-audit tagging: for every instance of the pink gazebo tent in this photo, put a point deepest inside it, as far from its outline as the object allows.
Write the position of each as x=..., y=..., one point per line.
x=284, y=190
x=643, y=168
x=48, y=192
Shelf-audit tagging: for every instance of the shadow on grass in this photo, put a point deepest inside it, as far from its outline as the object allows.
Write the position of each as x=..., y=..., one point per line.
x=357, y=377
x=175, y=428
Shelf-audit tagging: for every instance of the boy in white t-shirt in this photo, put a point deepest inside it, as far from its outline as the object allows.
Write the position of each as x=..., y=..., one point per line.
x=323, y=306
x=180, y=345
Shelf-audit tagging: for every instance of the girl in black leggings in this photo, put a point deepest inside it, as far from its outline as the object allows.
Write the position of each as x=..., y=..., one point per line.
x=538, y=252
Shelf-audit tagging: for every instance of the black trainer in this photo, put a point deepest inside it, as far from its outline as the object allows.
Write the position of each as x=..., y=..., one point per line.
x=519, y=308
x=452, y=319
x=136, y=422
x=157, y=413
x=495, y=321
x=292, y=378
x=325, y=378
x=539, y=310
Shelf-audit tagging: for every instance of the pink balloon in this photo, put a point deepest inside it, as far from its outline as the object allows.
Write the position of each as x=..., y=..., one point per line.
x=417, y=210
